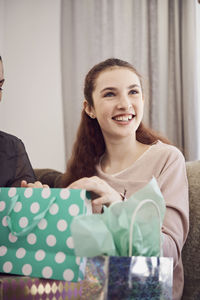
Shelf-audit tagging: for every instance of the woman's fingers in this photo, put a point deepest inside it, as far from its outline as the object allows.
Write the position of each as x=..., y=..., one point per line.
x=81, y=183
x=45, y=186
x=36, y=184
x=23, y=183
x=106, y=193
x=94, y=184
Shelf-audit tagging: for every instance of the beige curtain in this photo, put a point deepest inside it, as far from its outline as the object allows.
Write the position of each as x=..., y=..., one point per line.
x=158, y=37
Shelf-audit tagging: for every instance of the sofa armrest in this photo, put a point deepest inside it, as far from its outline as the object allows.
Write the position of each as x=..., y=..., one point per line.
x=48, y=176
x=190, y=253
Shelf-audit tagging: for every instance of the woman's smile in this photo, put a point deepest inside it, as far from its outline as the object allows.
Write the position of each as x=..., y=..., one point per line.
x=124, y=118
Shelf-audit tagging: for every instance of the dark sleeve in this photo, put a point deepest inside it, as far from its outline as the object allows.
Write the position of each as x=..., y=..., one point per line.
x=23, y=168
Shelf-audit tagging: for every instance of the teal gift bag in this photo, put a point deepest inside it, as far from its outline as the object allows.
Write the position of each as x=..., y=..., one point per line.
x=35, y=237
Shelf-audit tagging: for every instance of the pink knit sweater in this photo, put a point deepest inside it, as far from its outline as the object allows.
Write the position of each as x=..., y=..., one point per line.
x=166, y=163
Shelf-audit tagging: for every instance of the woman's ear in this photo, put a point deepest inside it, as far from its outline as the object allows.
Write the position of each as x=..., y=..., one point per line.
x=89, y=109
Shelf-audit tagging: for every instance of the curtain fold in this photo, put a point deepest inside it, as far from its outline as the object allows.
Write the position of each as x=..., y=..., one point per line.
x=189, y=78
x=158, y=37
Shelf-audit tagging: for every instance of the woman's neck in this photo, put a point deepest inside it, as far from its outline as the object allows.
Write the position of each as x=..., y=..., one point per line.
x=120, y=155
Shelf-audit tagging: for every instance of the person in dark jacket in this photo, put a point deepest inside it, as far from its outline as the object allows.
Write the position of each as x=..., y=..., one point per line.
x=15, y=165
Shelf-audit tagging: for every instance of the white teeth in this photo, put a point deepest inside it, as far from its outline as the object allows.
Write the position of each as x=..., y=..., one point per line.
x=123, y=118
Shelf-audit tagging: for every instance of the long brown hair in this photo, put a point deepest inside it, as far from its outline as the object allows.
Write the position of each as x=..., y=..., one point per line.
x=89, y=145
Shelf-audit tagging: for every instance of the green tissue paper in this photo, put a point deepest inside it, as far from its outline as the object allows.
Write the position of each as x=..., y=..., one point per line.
x=117, y=233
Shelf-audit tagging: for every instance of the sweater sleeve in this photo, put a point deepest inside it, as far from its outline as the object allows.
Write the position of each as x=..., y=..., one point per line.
x=23, y=168
x=174, y=187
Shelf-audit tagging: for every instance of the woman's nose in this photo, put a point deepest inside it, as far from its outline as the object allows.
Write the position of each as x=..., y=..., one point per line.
x=124, y=103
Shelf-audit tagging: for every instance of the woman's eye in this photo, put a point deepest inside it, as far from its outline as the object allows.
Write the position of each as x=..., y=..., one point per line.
x=133, y=92
x=109, y=94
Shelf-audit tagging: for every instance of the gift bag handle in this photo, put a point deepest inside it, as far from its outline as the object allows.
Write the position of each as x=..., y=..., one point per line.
x=35, y=221
x=140, y=205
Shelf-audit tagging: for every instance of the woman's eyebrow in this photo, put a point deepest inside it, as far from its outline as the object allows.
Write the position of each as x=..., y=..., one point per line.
x=133, y=86
x=108, y=88
x=114, y=89
x=2, y=81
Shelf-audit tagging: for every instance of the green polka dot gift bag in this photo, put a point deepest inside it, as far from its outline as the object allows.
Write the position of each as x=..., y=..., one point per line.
x=35, y=238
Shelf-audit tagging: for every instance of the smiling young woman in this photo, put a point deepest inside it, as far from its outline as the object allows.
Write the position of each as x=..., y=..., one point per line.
x=113, y=92
x=114, y=152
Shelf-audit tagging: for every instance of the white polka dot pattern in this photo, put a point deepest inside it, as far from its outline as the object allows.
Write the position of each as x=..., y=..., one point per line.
x=70, y=242
x=12, y=192
x=47, y=272
x=46, y=193
x=23, y=222
x=3, y=250
x=74, y=210
x=27, y=269
x=4, y=222
x=60, y=257
x=64, y=194
x=35, y=207
x=68, y=275
x=40, y=255
x=31, y=238
x=18, y=207
x=62, y=225
x=12, y=238
x=28, y=192
x=7, y=267
x=47, y=250
x=2, y=205
x=20, y=253
x=42, y=224
x=51, y=240
x=54, y=209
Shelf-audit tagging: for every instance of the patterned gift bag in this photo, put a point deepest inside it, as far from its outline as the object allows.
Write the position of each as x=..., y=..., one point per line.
x=14, y=287
x=143, y=274
x=127, y=278
x=35, y=230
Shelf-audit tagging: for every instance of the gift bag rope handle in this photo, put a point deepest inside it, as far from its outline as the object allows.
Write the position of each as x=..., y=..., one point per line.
x=140, y=205
x=35, y=221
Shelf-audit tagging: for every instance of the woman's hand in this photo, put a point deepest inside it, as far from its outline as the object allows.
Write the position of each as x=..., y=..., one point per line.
x=36, y=184
x=106, y=193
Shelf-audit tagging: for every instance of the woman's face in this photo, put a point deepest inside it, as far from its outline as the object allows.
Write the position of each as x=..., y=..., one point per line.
x=1, y=78
x=118, y=102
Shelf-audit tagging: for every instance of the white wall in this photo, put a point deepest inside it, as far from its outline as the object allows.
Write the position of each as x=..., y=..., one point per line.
x=32, y=102
x=198, y=64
